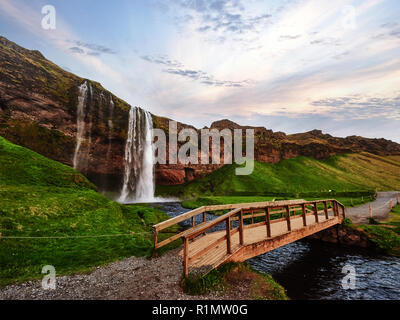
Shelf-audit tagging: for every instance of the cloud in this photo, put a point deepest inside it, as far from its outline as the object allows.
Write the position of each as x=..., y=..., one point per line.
x=177, y=68
x=326, y=42
x=388, y=30
x=77, y=50
x=207, y=79
x=27, y=17
x=163, y=60
x=290, y=37
x=90, y=49
x=342, y=55
x=218, y=16
x=361, y=107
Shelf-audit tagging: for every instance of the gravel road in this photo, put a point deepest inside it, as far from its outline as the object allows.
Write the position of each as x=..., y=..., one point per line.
x=129, y=279
x=380, y=208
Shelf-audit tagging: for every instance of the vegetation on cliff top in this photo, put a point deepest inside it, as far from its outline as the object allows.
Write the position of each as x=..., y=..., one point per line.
x=43, y=198
x=338, y=176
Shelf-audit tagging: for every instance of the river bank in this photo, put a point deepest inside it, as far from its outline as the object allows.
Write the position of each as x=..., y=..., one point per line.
x=307, y=269
x=312, y=269
x=147, y=279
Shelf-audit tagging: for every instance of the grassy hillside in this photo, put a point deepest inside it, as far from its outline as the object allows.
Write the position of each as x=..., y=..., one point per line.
x=301, y=176
x=43, y=198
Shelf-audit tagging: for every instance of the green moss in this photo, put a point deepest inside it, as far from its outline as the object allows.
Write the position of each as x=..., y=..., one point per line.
x=42, y=198
x=353, y=175
x=49, y=143
x=347, y=223
x=385, y=239
x=229, y=276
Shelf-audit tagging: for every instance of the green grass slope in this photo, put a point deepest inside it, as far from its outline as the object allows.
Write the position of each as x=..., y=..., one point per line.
x=43, y=198
x=342, y=174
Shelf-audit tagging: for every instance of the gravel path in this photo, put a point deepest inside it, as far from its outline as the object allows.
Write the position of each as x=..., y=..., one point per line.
x=129, y=279
x=380, y=208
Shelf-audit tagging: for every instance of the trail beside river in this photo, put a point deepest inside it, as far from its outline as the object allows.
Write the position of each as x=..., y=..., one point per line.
x=380, y=208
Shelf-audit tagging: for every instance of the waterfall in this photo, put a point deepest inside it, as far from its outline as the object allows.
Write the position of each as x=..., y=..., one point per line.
x=110, y=128
x=80, y=136
x=138, y=185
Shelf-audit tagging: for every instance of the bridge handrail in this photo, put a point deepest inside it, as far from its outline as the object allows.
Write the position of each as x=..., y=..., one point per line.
x=206, y=224
x=228, y=218
x=275, y=204
x=210, y=224
x=185, y=216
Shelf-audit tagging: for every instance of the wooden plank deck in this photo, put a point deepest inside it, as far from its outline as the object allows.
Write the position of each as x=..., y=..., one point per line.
x=253, y=235
x=249, y=229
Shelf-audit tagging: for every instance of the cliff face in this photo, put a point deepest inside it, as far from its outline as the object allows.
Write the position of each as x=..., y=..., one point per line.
x=38, y=110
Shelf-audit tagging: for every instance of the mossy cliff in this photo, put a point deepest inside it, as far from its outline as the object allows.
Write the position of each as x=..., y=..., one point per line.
x=38, y=110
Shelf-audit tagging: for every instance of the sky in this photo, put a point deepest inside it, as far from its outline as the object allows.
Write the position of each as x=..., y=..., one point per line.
x=290, y=65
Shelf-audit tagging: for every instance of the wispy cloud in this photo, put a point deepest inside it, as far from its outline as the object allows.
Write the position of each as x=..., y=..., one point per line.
x=91, y=49
x=29, y=19
x=178, y=69
x=361, y=107
x=163, y=60
x=222, y=17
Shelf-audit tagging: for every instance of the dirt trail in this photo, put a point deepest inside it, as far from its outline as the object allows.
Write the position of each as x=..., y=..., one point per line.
x=129, y=279
x=380, y=208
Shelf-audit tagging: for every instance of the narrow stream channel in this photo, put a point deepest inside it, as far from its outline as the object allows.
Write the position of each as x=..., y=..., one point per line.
x=312, y=270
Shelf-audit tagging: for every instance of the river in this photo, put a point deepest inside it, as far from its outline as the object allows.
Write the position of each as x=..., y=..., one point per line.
x=312, y=270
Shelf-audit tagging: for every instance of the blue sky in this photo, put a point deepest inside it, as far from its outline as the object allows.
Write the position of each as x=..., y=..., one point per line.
x=290, y=66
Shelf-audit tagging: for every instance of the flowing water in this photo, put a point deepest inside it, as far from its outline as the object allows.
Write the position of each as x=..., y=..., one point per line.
x=110, y=129
x=311, y=270
x=80, y=137
x=138, y=185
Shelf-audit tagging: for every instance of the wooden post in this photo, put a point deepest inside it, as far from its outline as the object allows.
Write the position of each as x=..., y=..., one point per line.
x=303, y=207
x=316, y=212
x=288, y=218
x=241, y=229
x=204, y=220
x=193, y=222
x=228, y=235
x=155, y=235
x=268, y=222
x=362, y=198
x=370, y=211
x=186, y=257
x=326, y=210
x=335, y=208
x=391, y=204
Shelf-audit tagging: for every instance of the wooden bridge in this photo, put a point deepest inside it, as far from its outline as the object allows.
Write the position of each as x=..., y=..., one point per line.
x=246, y=230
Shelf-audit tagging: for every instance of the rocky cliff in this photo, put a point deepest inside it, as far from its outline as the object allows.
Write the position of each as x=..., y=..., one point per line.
x=38, y=110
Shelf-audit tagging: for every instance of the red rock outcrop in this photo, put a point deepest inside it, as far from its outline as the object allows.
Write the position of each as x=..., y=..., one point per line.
x=38, y=110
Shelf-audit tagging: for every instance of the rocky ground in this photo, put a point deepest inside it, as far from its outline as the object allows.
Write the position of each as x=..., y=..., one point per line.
x=129, y=279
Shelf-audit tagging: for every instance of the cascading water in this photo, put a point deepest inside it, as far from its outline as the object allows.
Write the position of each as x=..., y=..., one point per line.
x=138, y=185
x=80, y=137
x=110, y=129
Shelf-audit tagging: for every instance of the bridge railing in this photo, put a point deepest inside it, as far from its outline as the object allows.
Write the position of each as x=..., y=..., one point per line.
x=249, y=217
x=202, y=214
x=191, y=215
